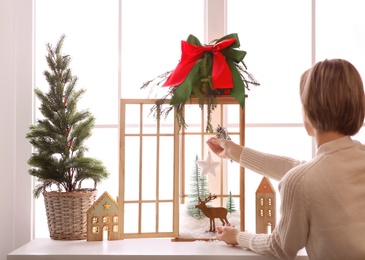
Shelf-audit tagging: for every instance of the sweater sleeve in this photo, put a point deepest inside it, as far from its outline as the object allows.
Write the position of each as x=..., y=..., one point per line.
x=269, y=165
x=290, y=235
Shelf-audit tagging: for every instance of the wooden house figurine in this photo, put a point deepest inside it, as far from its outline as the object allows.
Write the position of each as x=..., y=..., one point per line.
x=102, y=219
x=265, y=207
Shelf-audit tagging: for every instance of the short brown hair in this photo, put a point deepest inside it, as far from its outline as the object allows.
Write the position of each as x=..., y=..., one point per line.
x=333, y=96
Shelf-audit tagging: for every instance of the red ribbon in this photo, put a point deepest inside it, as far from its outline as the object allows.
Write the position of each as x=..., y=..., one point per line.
x=221, y=73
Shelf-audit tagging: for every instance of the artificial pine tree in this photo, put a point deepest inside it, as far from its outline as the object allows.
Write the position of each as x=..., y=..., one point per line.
x=198, y=188
x=230, y=204
x=58, y=139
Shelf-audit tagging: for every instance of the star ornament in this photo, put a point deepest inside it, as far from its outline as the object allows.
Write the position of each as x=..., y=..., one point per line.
x=106, y=206
x=208, y=166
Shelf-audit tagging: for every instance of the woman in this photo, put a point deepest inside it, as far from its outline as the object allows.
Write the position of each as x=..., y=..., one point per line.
x=323, y=200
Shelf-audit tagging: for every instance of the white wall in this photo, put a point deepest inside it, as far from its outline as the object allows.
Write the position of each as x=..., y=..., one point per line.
x=15, y=116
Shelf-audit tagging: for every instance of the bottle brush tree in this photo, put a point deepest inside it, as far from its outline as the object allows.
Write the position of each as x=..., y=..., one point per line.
x=230, y=206
x=59, y=137
x=198, y=188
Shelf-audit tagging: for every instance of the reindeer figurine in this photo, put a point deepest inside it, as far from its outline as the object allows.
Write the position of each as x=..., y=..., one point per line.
x=213, y=212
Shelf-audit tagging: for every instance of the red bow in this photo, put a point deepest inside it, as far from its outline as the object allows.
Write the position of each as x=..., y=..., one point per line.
x=221, y=73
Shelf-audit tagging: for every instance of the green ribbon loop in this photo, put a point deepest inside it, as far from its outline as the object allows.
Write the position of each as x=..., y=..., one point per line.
x=233, y=57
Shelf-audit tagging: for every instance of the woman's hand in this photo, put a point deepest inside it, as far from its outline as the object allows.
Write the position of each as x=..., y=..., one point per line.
x=228, y=234
x=215, y=145
x=225, y=148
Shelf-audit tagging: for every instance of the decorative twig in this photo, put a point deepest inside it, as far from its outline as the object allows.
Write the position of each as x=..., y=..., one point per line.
x=222, y=133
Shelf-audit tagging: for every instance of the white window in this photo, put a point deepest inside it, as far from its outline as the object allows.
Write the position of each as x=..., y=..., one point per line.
x=115, y=228
x=95, y=220
x=95, y=230
x=106, y=220
x=278, y=51
x=261, y=212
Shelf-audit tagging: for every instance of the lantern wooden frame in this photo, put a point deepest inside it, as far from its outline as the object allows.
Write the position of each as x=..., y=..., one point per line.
x=179, y=171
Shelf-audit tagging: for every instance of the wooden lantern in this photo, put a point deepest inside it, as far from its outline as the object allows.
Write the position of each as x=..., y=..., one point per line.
x=152, y=181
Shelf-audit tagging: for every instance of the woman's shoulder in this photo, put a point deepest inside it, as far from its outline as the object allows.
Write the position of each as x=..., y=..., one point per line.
x=298, y=175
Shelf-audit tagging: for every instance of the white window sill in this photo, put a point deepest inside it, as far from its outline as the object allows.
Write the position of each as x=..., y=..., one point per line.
x=132, y=249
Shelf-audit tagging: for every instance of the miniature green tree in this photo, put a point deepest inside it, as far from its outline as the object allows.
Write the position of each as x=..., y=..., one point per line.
x=230, y=204
x=58, y=139
x=198, y=188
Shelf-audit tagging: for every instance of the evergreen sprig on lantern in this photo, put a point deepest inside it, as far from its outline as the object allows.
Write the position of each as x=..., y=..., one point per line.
x=204, y=72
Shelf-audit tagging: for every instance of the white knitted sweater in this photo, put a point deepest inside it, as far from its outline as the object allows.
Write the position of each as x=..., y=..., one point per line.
x=322, y=203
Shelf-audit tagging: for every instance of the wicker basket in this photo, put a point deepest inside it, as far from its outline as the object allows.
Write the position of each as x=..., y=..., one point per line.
x=66, y=213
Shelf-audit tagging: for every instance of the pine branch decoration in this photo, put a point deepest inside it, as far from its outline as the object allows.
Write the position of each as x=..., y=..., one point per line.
x=222, y=133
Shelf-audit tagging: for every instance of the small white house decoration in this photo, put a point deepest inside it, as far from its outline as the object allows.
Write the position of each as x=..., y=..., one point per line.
x=102, y=219
x=265, y=207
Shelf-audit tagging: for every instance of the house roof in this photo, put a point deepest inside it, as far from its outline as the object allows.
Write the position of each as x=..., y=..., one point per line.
x=265, y=187
x=104, y=204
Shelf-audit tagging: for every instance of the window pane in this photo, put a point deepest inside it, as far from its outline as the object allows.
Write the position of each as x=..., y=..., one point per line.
x=131, y=170
x=149, y=47
x=165, y=217
x=89, y=54
x=92, y=44
x=93, y=47
x=149, y=160
x=285, y=141
x=102, y=146
x=192, y=150
x=149, y=122
x=131, y=213
x=193, y=118
x=233, y=178
x=360, y=136
x=341, y=38
x=232, y=115
x=166, y=168
x=167, y=123
x=148, y=215
x=132, y=119
x=277, y=38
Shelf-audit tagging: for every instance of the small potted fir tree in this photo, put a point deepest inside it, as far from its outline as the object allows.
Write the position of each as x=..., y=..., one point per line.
x=59, y=157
